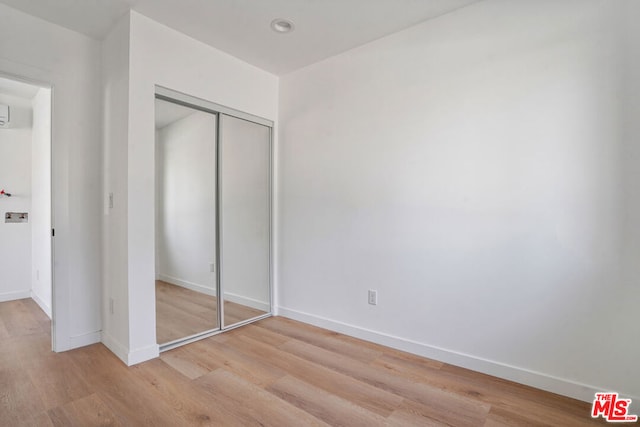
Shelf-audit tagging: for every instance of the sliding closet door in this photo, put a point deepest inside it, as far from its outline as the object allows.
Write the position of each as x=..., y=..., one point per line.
x=244, y=171
x=186, y=293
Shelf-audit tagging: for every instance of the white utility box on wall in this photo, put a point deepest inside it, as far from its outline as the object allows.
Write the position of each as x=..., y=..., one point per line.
x=4, y=116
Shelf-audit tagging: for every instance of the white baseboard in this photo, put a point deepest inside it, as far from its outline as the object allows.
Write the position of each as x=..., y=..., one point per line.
x=85, y=339
x=130, y=358
x=538, y=380
x=12, y=296
x=188, y=285
x=143, y=354
x=228, y=296
x=116, y=348
x=77, y=341
x=249, y=302
x=44, y=306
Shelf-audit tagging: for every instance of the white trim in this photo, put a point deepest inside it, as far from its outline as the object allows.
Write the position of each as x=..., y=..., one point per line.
x=188, y=285
x=85, y=339
x=115, y=347
x=188, y=340
x=538, y=380
x=249, y=302
x=44, y=78
x=130, y=358
x=41, y=303
x=176, y=97
x=16, y=295
x=143, y=354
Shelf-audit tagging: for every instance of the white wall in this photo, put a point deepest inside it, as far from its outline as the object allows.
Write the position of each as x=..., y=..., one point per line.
x=186, y=206
x=476, y=170
x=159, y=55
x=15, y=178
x=115, y=93
x=37, y=50
x=40, y=216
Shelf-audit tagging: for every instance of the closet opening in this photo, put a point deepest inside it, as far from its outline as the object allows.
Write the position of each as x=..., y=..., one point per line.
x=213, y=168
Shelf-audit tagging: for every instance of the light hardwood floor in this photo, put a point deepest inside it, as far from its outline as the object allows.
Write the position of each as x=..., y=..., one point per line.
x=181, y=312
x=274, y=372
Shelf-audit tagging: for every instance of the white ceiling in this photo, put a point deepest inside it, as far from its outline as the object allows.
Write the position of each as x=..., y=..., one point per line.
x=93, y=18
x=323, y=28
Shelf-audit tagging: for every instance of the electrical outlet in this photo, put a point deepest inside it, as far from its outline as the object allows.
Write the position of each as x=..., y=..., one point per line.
x=373, y=297
x=212, y=267
x=110, y=200
x=111, y=305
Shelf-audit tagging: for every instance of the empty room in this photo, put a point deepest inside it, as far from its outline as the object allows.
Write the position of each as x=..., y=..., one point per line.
x=296, y=212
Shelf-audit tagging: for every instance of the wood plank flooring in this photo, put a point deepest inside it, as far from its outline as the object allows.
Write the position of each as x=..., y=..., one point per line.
x=181, y=312
x=276, y=372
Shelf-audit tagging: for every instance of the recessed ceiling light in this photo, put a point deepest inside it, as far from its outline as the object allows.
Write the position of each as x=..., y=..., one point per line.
x=282, y=25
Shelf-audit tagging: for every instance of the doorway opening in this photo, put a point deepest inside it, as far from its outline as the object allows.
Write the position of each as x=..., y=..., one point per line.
x=26, y=267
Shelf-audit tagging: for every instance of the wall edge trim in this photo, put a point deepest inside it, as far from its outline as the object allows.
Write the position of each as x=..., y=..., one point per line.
x=250, y=302
x=83, y=340
x=142, y=354
x=15, y=295
x=565, y=387
x=115, y=347
x=187, y=285
x=41, y=303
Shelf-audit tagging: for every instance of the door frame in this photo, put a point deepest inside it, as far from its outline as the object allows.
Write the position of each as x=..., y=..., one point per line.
x=190, y=101
x=46, y=85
